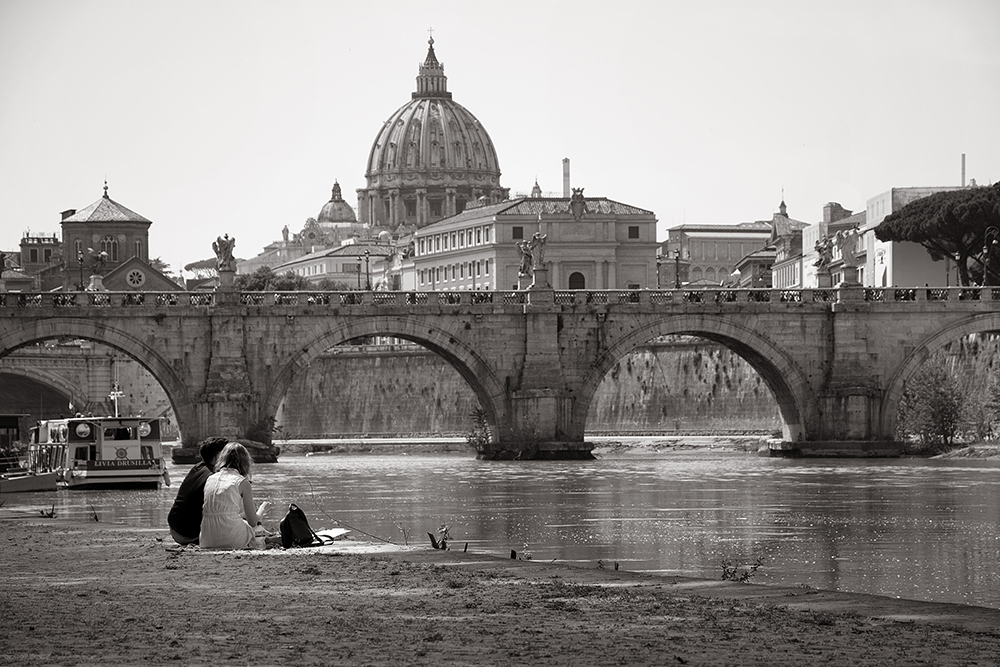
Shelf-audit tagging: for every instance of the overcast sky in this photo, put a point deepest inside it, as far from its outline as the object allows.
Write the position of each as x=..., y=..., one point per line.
x=236, y=117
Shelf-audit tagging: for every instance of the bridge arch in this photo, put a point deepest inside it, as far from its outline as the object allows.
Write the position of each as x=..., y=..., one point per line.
x=114, y=336
x=54, y=381
x=477, y=373
x=921, y=353
x=782, y=376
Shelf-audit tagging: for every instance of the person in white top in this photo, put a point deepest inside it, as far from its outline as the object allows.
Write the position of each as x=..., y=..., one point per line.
x=229, y=515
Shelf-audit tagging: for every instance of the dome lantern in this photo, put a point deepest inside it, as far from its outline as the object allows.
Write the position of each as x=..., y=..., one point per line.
x=431, y=81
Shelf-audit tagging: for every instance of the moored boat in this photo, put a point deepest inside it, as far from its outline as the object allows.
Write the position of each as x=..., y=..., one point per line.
x=25, y=481
x=100, y=452
x=259, y=452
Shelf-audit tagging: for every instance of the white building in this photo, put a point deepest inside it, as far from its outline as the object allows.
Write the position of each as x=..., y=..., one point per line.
x=590, y=243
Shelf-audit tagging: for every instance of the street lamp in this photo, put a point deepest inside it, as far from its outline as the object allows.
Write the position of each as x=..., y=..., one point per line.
x=677, y=268
x=368, y=275
x=79, y=261
x=989, y=240
x=115, y=394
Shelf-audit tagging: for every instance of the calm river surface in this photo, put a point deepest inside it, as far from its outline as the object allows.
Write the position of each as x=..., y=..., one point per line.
x=911, y=528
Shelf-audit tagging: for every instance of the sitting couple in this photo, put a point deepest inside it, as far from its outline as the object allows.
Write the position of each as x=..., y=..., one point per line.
x=214, y=506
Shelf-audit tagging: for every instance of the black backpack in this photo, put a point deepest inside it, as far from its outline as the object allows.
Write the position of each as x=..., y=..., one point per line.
x=295, y=530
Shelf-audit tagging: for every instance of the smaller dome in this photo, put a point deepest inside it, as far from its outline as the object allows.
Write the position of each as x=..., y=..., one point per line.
x=336, y=211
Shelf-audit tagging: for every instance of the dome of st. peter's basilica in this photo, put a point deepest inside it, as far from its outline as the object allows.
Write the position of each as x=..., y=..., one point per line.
x=431, y=159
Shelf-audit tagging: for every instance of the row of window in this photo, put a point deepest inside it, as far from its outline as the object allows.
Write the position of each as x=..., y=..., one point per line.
x=725, y=250
x=318, y=269
x=453, y=272
x=465, y=238
x=109, y=245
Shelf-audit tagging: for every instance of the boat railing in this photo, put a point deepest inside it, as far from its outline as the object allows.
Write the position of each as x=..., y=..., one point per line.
x=46, y=457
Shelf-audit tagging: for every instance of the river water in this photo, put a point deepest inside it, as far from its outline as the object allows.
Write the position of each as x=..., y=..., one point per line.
x=911, y=528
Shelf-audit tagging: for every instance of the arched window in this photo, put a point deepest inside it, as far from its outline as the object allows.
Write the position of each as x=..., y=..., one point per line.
x=109, y=244
x=577, y=281
x=138, y=249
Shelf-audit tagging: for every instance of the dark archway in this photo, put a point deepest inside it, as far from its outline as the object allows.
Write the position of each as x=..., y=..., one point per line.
x=577, y=280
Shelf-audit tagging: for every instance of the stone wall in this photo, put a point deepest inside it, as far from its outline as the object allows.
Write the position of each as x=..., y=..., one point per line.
x=681, y=387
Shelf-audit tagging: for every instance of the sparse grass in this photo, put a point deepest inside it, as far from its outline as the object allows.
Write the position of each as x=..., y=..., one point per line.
x=733, y=571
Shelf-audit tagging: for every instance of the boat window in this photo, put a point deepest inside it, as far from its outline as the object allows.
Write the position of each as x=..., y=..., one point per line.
x=81, y=453
x=147, y=451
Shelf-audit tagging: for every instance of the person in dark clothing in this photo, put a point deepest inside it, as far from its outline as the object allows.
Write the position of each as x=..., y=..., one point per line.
x=184, y=518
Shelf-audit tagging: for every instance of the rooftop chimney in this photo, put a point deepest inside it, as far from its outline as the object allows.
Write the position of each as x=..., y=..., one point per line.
x=68, y=212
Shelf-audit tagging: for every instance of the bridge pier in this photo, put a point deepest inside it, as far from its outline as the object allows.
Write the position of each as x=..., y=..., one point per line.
x=539, y=427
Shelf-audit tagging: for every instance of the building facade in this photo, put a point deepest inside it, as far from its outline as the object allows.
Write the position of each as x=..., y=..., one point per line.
x=703, y=254
x=900, y=263
x=589, y=243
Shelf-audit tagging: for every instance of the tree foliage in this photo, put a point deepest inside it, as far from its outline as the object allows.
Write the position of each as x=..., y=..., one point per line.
x=266, y=280
x=931, y=409
x=330, y=285
x=203, y=268
x=951, y=225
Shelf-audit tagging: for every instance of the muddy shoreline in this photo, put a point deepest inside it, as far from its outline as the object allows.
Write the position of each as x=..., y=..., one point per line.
x=97, y=594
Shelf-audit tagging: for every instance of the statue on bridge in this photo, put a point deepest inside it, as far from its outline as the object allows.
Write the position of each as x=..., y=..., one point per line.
x=847, y=241
x=524, y=248
x=824, y=248
x=537, y=247
x=223, y=247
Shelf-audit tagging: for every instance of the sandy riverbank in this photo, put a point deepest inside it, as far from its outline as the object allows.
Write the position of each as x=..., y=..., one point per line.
x=97, y=594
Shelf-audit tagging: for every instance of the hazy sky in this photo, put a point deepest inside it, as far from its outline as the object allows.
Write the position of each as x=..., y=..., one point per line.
x=236, y=117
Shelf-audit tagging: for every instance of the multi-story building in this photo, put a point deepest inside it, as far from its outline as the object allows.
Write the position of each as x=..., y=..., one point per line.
x=797, y=263
x=353, y=265
x=741, y=254
x=900, y=263
x=705, y=254
x=590, y=243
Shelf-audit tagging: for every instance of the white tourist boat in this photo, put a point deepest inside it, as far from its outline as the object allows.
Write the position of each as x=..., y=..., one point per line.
x=100, y=452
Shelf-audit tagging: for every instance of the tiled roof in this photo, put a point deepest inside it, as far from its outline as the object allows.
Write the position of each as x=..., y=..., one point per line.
x=544, y=205
x=105, y=209
x=596, y=205
x=477, y=212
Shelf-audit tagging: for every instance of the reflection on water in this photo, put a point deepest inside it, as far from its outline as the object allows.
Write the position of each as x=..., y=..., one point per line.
x=916, y=529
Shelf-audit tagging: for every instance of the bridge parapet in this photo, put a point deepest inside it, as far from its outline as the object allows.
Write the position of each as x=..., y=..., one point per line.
x=434, y=299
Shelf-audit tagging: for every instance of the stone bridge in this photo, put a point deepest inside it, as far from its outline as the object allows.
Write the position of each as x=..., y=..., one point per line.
x=836, y=360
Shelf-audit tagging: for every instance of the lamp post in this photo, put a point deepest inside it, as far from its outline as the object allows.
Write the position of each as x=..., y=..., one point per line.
x=115, y=394
x=79, y=261
x=368, y=275
x=677, y=268
x=989, y=240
